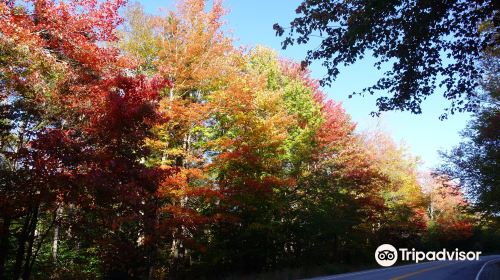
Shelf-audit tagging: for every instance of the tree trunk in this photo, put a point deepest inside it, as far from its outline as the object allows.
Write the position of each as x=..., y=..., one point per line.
x=4, y=244
x=29, y=252
x=21, y=241
x=150, y=226
x=55, y=240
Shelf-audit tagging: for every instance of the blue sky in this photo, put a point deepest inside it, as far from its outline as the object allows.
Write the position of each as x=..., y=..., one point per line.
x=251, y=21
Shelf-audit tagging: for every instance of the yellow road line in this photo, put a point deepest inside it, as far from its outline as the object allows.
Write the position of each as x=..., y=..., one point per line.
x=420, y=271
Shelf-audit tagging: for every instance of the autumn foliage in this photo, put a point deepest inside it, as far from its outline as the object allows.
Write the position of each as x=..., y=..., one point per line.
x=152, y=148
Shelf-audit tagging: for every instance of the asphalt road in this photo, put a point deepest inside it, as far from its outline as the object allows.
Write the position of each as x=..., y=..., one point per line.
x=439, y=270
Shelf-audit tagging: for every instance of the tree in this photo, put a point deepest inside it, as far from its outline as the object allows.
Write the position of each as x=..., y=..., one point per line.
x=423, y=40
x=404, y=220
x=74, y=124
x=188, y=48
x=338, y=197
x=248, y=169
x=22, y=118
x=450, y=221
x=475, y=161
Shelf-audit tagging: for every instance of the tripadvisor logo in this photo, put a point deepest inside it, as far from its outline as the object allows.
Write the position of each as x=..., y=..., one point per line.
x=387, y=255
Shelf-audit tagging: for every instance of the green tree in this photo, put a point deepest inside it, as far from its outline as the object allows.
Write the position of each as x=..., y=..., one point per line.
x=476, y=160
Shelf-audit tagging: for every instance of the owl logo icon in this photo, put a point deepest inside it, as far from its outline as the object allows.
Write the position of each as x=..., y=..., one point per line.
x=386, y=255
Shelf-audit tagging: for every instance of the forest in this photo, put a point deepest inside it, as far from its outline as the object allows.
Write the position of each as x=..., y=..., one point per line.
x=145, y=146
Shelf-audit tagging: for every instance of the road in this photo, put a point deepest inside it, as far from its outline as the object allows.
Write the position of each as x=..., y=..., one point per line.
x=440, y=270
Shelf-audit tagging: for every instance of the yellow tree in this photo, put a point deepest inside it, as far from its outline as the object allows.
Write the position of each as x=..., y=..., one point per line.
x=249, y=127
x=405, y=219
x=189, y=48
